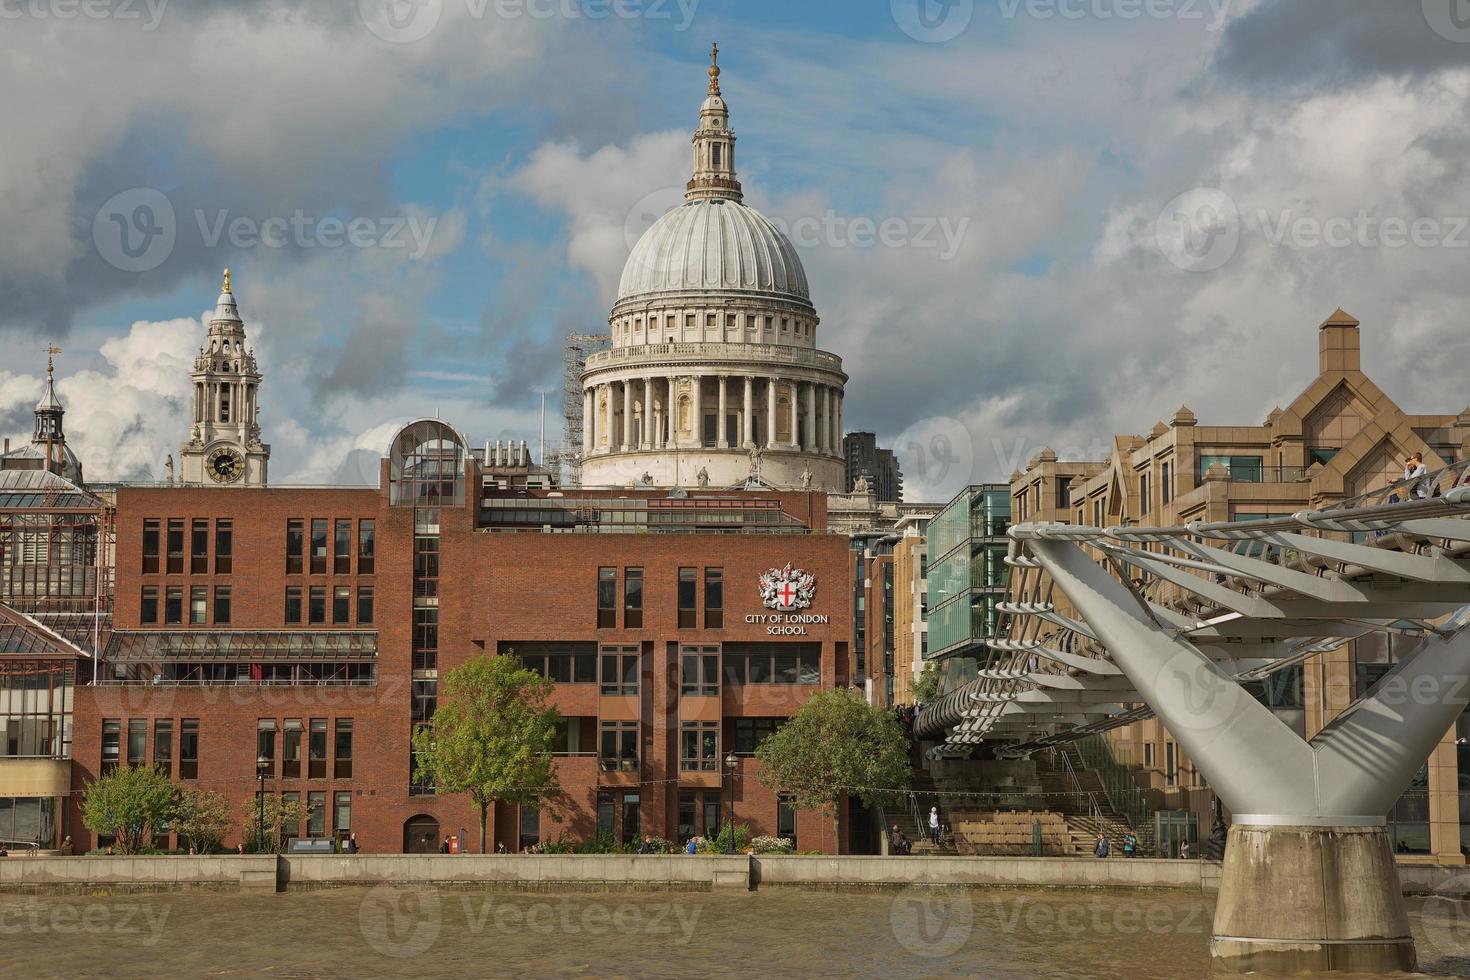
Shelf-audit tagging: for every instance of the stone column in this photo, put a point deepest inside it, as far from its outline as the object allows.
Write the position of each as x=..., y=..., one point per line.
x=627, y=415
x=720, y=442
x=612, y=443
x=696, y=402
x=810, y=429
x=825, y=429
x=747, y=413
x=770, y=413
x=837, y=440
x=795, y=413
x=647, y=433
x=588, y=422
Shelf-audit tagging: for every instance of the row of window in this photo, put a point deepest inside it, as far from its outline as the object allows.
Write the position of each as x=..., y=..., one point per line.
x=316, y=814
x=632, y=604
x=699, y=666
x=163, y=745
x=618, y=816
x=331, y=546
x=169, y=539
x=312, y=601
x=313, y=735
x=632, y=327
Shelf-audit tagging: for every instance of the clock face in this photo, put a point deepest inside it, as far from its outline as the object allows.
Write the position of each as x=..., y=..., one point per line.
x=226, y=465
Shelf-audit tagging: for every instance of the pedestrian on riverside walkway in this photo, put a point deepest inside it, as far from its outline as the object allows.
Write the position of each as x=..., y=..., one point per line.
x=1100, y=849
x=934, y=825
x=1184, y=850
x=1130, y=845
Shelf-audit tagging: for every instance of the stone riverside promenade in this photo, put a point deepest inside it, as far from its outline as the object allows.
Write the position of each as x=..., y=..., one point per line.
x=626, y=873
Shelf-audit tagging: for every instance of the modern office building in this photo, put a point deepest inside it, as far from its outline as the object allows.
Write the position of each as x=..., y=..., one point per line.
x=967, y=577
x=1340, y=437
x=866, y=464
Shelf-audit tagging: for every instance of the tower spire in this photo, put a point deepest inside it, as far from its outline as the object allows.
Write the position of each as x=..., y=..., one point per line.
x=714, y=145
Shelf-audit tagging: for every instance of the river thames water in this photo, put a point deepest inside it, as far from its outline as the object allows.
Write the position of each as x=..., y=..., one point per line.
x=393, y=931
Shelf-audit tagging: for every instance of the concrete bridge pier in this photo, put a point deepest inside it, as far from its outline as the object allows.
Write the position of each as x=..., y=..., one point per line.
x=1310, y=898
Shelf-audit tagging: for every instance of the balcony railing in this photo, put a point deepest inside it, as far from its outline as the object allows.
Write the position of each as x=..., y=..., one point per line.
x=688, y=352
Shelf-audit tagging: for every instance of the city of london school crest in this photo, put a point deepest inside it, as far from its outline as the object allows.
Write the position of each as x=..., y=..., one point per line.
x=788, y=588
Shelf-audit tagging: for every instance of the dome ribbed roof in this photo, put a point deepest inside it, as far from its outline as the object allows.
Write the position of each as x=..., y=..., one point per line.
x=714, y=245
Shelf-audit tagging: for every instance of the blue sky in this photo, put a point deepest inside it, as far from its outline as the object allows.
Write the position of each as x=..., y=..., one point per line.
x=1049, y=139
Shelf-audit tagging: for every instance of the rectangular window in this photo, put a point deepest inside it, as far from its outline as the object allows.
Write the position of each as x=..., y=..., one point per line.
x=342, y=814
x=619, y=749
x=606, y=814
x=293, y=604
x=1241, y=469
x=786, y=819
x=295, y=542
x=530, y=827
x=367, y=539
x=291, y=749
x=688, y=586
x=773, y=663
x=189, y=748
x=199, y=548
x=265, y=746
x=316, y=604
x=317, y=749
x=341, y=604
x=342, y=750
x=150, y=547
x=316, y=814
x=221, y=605
x=364, y=605
x=632, y=598
x=1166, y=483
x=198, y=605
x=751, y=732
x=630, y=818
x=163, y=745
x=607, y=598
x=426, y=638
x=319, y=546
x=688, y=810
x=1171, y=763
x=699, y=670
x=342, y=548
x=173, y=605
x=111, y=745
x=620, y=669
x=714, y=598
x=1145, y=504
x=290, y=830
x=176, y=547
x=699, y=746
x=148, y=607
x=224, y=547
x=137, y=740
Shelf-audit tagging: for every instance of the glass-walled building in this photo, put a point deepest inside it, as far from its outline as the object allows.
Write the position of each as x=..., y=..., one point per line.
x=967, y=576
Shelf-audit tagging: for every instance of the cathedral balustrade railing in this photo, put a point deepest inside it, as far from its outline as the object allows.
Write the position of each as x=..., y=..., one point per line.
x=750, y=353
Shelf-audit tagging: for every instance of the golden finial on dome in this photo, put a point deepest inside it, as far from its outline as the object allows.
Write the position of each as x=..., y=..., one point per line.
x=714, y=69
x=226, y=287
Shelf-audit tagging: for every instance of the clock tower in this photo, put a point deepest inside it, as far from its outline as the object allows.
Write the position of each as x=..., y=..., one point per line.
x=224, y=447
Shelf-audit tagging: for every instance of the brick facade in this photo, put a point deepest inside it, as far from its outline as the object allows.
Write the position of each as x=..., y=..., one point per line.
x=495, y=590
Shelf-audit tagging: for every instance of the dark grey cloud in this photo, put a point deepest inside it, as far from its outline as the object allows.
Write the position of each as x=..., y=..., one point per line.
x=1341, y=42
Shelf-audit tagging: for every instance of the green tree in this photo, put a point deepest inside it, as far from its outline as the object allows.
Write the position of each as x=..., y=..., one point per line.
x=837, y=745
x=127, y=803
x=491, y=736
x=280, y=812
x=202, y=816
x=926, y=688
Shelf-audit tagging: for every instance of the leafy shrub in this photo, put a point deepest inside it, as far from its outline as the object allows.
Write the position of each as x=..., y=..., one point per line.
x=771, y=845
x=720, y=843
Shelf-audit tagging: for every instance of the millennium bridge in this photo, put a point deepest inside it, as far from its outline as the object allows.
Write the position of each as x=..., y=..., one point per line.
x=1105, y=626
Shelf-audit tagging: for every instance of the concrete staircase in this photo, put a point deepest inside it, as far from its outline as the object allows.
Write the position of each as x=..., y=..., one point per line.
x=1090, y=810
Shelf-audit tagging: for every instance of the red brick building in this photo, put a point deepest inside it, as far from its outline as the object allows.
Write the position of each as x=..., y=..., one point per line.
x=309, y=627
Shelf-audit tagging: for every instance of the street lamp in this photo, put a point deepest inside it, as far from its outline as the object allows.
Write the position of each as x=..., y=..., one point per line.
x=262, y=764
x=730, y=763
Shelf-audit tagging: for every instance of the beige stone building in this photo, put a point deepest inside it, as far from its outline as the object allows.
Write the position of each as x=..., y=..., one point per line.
x=1340, y=437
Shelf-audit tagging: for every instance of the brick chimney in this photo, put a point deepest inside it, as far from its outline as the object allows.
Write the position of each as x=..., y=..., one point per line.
x=1341, y=348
